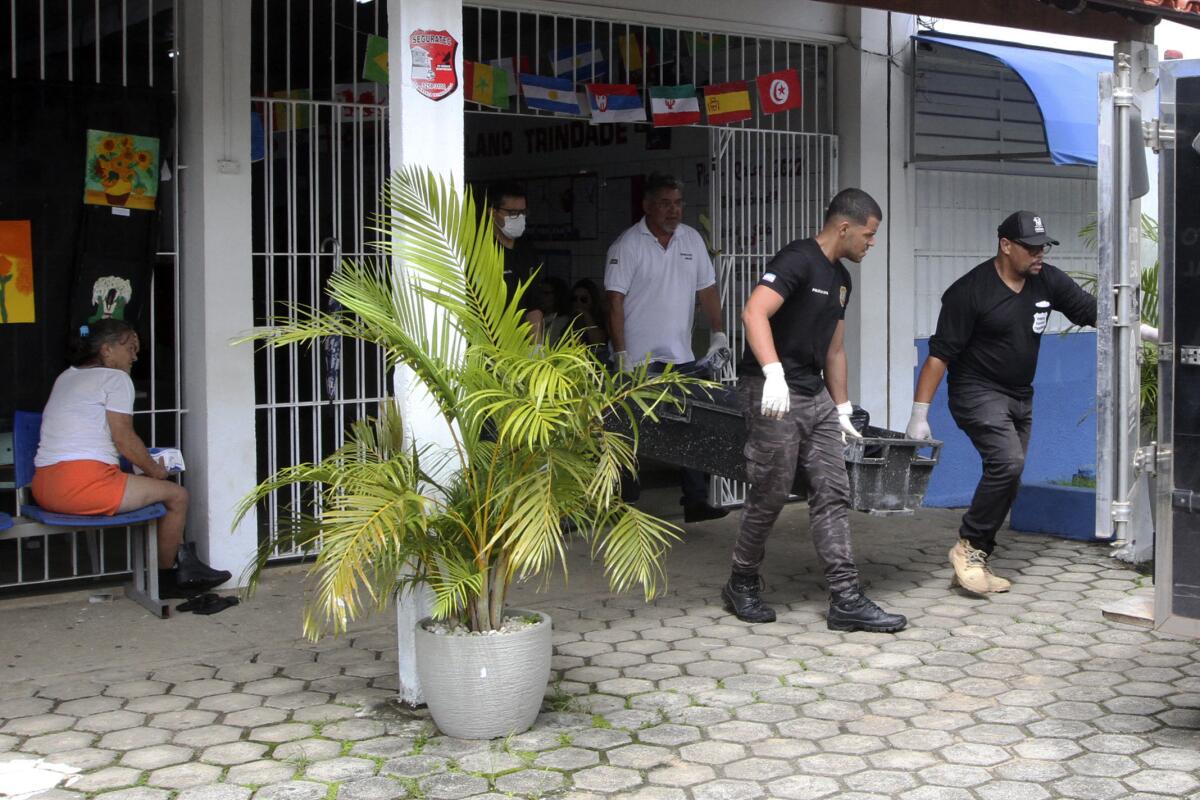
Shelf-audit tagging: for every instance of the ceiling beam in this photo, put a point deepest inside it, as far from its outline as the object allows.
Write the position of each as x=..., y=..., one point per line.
x=1031, y=15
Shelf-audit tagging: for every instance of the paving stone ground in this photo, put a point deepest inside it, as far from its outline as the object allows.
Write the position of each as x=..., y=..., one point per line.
x=1021, y=696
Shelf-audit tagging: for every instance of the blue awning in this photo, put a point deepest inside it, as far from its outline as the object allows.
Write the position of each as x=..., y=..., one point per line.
x=1063, y=84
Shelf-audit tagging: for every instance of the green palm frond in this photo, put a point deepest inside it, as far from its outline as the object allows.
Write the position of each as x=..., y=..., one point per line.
x=542, y=433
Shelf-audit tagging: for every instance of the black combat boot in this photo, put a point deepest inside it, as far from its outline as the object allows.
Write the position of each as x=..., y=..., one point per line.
x=192, y=574
x=851, y=610
x=743, y=597
x=700, y=511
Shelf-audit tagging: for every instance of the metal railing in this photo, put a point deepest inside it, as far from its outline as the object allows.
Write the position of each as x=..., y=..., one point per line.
x=768, y=188
x=316, y=185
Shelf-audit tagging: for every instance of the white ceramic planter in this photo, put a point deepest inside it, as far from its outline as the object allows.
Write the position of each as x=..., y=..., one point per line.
x=482, y=687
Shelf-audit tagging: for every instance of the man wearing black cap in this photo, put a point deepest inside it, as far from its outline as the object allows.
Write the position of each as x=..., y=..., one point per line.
x=988, y=335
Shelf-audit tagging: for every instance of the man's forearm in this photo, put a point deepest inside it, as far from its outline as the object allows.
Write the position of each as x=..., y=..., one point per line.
x=932, y=372
x=836, y=371
x=759, y=338
x=710, y=304
x=616, y=324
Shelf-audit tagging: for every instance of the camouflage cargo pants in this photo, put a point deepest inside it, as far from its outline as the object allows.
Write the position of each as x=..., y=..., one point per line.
x=807, y=436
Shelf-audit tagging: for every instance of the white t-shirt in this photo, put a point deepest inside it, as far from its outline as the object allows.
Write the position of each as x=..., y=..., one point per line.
x=660, y=286
x=74, y=423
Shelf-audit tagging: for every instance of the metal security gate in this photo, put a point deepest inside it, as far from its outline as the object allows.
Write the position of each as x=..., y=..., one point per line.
x=129, y=43
x=317, y=175
x=768, y=188
x=771, y=175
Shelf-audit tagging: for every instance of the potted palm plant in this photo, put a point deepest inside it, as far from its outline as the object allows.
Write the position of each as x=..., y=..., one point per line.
x=533, y=448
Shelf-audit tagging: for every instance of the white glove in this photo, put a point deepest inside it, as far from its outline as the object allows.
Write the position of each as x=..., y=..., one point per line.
x=718, y=355
x=844, y=411
x=1149, y=333
x=918, y=423
x=621, y=361
x=775, y=397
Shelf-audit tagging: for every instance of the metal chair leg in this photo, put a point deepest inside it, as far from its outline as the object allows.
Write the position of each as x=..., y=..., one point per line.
x=143, y=589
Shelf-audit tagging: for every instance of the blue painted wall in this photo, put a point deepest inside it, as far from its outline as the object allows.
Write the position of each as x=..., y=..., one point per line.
x=1064, y=422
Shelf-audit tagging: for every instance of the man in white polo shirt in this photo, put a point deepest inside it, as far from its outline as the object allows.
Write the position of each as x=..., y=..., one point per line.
x=656, y=271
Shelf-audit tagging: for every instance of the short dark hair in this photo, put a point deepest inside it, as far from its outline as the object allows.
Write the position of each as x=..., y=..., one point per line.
x=660, y=181
x=502, y=189
x=84, y=343
x=855, y=205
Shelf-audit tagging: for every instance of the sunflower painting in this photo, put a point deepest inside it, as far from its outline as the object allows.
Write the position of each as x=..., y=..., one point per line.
x=16, y=272
x=122, y=170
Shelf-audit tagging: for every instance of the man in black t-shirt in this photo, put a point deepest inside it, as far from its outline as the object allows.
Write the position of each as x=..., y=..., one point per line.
x=799, y=412
x=988, y=335
x=521, y=259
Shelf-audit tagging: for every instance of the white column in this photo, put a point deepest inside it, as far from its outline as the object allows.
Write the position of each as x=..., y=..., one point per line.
x=873, y=153
x=218, y=379
x=429, y=133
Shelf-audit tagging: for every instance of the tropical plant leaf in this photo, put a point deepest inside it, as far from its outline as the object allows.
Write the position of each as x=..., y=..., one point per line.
x=540, y=433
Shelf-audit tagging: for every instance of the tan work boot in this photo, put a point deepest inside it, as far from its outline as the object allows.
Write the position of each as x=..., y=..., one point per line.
x=995, y=582
x=970, y=568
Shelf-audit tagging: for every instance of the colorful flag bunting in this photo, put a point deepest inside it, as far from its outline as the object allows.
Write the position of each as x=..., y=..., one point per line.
x=375, y=63
x=550, y=94
x=581, y=62
x=674, y=105
x=703, y=45
x=512, y=66
x=485, y=85
x=615, y=102
x=727, y=102
x=779, y=91
x=630, y=52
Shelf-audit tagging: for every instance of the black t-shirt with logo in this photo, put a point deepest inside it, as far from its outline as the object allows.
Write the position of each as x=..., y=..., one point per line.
x=989, y=335
x=815, y=293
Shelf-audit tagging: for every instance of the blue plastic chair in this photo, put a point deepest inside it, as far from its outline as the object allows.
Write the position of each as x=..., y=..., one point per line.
x=142, y=522
x=6, y=521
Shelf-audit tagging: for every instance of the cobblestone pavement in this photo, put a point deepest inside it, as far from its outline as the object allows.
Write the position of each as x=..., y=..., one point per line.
x=1026, y=695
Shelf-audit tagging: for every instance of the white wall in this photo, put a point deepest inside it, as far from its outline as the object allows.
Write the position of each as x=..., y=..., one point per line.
x=216, y=267
x=956, y=220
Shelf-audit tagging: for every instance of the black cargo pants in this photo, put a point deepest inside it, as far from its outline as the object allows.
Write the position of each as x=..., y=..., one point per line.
x=809, y=436
x=999, y=426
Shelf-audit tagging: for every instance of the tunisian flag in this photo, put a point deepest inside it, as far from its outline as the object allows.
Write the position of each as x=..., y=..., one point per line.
x=779, y=91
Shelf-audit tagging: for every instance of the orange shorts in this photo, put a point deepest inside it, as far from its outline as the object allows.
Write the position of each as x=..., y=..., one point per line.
x=80, y=487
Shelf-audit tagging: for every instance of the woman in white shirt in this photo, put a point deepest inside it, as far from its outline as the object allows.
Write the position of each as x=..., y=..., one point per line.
x=86, y=426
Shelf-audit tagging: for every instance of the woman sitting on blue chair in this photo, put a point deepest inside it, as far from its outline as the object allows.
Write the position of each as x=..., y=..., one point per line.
x=86, y=426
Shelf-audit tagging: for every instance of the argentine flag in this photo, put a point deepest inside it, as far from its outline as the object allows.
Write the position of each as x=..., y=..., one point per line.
x=550, y=94
x=579, y=62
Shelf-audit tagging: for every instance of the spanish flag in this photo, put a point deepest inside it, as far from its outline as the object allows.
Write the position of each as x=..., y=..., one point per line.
x=485, y=85
x=727, y=102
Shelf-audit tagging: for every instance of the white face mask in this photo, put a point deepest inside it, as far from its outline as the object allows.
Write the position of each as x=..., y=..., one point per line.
x=513, y=227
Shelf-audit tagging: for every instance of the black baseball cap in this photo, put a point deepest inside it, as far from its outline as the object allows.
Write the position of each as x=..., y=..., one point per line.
x=1025, y=227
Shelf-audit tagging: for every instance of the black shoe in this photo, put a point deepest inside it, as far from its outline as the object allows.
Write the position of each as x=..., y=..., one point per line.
x=169, y=588
x=193, y=574
x=743, y=598
x=700, y=511
x=851, y=610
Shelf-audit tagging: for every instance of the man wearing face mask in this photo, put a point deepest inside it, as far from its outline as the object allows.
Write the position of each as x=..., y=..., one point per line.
x=988, y=336
x=655, y=273
x=521, y=258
